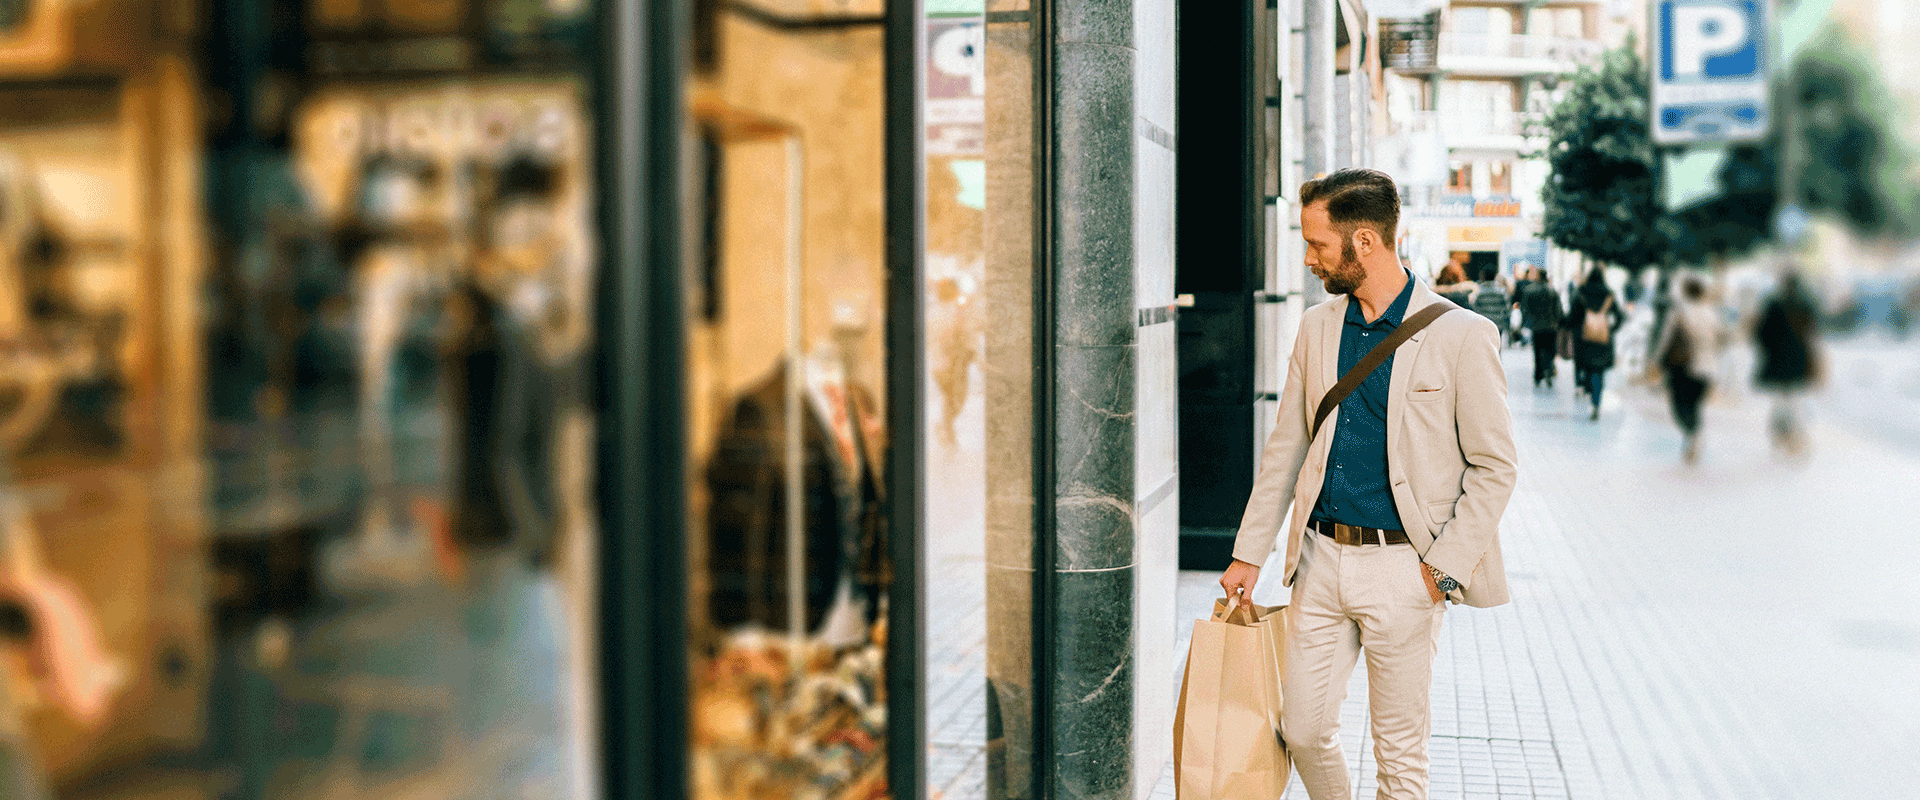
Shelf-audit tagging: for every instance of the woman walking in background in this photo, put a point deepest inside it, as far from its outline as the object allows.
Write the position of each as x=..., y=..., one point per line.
x=1452, y=284
x=1687, y=350
x=1592, y=320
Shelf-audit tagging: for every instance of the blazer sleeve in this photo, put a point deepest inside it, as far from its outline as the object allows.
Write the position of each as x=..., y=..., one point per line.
x=1280, y=461
x=1486, y=443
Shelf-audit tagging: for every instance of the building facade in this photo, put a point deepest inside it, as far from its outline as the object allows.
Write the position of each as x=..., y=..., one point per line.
x=1466, y=85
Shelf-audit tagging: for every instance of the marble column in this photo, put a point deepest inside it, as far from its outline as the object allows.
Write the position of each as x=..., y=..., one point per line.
x=1094, y=426
x=1108, y=87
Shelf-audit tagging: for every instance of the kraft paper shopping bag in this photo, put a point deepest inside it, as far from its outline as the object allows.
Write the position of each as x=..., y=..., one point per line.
x=1226, y=731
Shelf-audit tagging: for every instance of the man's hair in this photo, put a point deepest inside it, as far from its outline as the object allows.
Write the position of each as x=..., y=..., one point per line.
x=1357, y=197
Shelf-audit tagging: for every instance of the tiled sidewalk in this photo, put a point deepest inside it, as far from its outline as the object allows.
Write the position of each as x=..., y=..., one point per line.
x=1748, y=627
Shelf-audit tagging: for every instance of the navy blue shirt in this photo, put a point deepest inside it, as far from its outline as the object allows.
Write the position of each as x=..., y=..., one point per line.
x=1357, y=491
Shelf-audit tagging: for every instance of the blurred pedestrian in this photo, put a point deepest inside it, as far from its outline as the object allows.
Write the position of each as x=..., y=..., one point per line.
x=1491, y=301
x=1687, y=350
x=1526, y=274
x=1789, y=360
x=1452, y=284
x=1592, y=319
x=1541, y=313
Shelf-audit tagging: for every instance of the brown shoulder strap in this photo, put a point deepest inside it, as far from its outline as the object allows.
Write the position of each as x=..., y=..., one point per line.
x=1374, y=359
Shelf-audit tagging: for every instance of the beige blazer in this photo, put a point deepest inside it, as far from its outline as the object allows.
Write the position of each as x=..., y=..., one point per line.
x=1450, y=455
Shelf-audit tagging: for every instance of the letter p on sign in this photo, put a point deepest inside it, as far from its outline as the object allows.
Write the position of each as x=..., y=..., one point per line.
x=1709, y=40
x=1702, y=32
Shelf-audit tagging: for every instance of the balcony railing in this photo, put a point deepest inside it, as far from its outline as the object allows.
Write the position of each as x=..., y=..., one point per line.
x=1515, y=52
x=1409, y=44
x=1462, y=124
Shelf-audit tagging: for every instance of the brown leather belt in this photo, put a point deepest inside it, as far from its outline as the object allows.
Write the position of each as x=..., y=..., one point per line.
x=1356, y=535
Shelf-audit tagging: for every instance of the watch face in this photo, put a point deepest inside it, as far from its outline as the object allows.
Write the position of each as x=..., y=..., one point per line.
x=13, y=16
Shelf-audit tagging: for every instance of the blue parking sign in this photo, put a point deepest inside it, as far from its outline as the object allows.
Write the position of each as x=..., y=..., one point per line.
x=1710, y=71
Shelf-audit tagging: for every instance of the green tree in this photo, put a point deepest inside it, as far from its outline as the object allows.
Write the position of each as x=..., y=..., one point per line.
x=1854, y=167
x=1600, y=197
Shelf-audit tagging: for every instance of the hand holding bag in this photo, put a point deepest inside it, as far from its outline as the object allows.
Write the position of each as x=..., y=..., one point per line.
x=1226, y=733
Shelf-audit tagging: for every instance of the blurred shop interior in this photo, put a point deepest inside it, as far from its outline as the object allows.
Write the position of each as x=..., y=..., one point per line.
x=296, y=317
x=303, y=387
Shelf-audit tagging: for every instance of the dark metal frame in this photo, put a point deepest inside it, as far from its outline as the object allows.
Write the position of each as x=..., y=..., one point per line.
x=906, y=465
x=639, y=118
x=1046, y=581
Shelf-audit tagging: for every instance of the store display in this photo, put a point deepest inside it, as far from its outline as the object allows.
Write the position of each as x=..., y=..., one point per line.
x=766, y=729
x=48, y=306
x=747, y=518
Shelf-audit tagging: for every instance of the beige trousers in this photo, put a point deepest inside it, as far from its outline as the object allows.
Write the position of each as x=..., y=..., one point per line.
x=1349, y=598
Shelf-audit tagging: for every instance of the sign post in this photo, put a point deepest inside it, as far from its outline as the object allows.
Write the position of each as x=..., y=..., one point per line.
x=1710, y=71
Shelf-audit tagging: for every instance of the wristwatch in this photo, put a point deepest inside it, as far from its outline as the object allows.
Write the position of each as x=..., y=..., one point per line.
x=1445, y=583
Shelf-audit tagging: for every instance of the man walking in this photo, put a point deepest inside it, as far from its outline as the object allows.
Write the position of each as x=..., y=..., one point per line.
x=1396, y=498
x=1540, y=308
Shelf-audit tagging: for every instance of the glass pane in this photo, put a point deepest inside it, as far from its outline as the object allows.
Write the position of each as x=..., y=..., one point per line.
x=787, y=398
x=980, y=213
x=293, y=430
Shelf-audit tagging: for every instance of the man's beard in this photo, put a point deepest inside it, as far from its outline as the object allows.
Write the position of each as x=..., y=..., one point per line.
x=1346, y=276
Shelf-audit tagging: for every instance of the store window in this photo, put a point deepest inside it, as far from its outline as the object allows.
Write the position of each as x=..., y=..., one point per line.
x=1500, y=177
x=787, y=399
x=1460, y=177
x=1565, y=23
x=980, y=693
x=294, y=437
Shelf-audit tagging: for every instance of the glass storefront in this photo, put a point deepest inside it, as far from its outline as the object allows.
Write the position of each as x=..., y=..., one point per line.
x=479, y=398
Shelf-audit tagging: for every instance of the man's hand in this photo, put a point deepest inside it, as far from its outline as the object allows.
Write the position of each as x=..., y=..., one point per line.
x=1240, y=577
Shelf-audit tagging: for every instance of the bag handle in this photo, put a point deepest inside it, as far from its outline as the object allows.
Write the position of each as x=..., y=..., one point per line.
x=1374, y=359
x=1235, y=607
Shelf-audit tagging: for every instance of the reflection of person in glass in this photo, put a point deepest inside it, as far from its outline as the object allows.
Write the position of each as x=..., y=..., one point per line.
x=957, y=333
x=51, y=646
x=1396, y=498
x=393, y=278
x=512, y=367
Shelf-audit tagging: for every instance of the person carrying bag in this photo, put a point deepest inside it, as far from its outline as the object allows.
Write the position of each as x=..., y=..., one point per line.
x=1383, y=482
x=1226, y=730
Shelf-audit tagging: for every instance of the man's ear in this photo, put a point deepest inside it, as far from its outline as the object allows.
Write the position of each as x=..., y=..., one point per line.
x=1365, y=239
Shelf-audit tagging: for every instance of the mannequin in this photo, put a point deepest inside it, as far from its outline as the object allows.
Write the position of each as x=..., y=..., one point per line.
x=843, y=496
